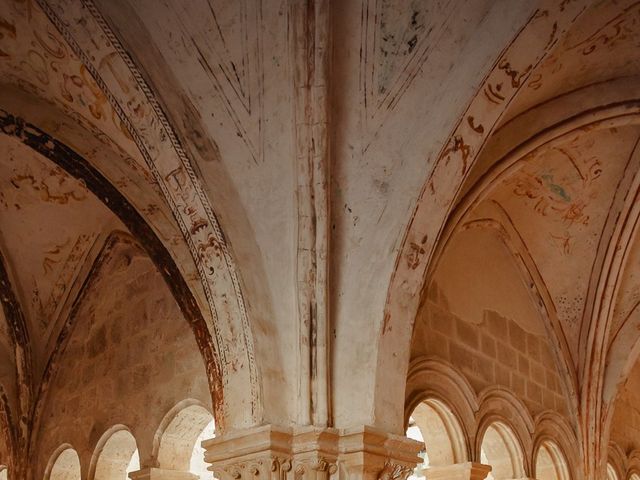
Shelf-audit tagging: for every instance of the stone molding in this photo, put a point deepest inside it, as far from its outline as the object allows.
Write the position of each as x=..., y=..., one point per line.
x=310, y=453
x=458, y=471
x=161, y=474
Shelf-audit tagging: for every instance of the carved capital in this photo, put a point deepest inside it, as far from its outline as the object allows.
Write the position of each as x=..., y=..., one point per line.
x=261, y=453
x=394, y=471
x=310, y=453
x=371, y=454
x=263, y=467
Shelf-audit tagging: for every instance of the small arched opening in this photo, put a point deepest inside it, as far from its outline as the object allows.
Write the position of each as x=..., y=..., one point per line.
x=65, y=465
x=501, y=450
x=551, y=463
x=3, y=473
x=434, y=423
x=179, y=448
x=117, y=457
x=611, y=473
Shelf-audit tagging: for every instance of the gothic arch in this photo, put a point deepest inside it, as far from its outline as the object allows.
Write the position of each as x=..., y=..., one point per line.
x=459, y=153
x=607, y=362
x=79, y=168
x=624, y=111
x=226, y=317
x=620, y=348
x=502, y=225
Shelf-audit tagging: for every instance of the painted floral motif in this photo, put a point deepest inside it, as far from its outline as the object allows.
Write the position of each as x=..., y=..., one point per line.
x=614, y=31
x=37, y=59
x=551, y=197
x=565, y=196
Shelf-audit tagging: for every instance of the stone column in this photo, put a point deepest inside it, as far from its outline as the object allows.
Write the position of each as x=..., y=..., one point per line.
x=458, y=471
x=161, y=474
x=309, y=453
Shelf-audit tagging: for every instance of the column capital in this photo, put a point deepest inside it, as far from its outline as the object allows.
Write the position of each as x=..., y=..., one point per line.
x=310, y=453
x=258, y=453
x=314, y=452
x=368, y=453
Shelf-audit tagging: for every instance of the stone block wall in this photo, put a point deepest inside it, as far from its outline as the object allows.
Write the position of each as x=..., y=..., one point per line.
x=130, y=359
x=496, y=352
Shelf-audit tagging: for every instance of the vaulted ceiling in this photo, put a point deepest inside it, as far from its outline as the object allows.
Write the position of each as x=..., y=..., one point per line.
x=294, y=169
x=558, y=179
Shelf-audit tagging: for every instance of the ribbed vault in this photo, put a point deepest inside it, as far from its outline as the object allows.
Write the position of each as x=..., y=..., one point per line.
x=326, y=195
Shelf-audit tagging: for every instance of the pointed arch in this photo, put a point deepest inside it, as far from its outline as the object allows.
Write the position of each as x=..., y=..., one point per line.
x=623, y=112
x=79, y=168
x=503, y=226
x=438, y=194
x=227, y=321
